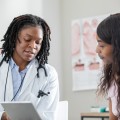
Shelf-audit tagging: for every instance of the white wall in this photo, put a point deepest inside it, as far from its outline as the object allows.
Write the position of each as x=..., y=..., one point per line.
x=8, y=10
x=59, y=14
x=71, y=9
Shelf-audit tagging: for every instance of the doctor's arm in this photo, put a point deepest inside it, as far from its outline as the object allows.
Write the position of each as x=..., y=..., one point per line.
x=112, y=116
x=48, y=104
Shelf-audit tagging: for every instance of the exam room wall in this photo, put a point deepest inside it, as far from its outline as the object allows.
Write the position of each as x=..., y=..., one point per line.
x=50, y=11
x=80, y=101
x=59, y=14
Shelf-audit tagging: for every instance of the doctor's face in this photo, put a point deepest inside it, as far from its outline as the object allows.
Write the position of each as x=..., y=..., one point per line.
x=29, y=43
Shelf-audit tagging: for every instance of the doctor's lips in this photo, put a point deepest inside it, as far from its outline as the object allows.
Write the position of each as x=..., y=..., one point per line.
x=29, y=52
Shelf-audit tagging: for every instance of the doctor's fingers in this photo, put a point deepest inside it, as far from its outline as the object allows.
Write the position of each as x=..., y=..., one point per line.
x=5, y=116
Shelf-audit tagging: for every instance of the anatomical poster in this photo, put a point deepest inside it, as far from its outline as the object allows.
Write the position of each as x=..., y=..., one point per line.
x=86, y=65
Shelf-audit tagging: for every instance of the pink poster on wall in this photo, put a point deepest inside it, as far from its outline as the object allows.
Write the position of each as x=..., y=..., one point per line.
x=86, y=64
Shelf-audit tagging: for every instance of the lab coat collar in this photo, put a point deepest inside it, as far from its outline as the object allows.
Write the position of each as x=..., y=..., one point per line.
x=30, y=76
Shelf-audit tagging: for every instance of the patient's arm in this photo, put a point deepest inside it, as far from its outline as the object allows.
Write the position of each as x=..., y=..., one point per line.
x=112, y=116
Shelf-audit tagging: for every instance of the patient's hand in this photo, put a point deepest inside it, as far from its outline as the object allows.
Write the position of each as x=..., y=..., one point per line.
x=5, y=116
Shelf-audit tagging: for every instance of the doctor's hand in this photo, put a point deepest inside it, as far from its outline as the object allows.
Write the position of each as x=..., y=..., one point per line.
x=5, y=116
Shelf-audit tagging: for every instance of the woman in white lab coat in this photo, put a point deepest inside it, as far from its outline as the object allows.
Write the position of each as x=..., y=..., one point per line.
x=24, y=72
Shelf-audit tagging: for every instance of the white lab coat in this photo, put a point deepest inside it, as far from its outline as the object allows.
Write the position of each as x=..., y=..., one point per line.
x=45, y=105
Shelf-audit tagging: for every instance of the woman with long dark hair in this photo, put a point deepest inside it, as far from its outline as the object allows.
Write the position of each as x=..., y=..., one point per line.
x=108, y=49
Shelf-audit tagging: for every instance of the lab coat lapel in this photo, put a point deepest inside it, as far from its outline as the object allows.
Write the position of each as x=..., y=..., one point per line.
x=30, y=76
x=7, y=81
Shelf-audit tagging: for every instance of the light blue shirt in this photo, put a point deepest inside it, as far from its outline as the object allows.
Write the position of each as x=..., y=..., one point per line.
x=17, y=77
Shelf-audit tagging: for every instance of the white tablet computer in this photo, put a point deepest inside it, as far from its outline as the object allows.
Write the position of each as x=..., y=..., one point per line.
x=21, y=110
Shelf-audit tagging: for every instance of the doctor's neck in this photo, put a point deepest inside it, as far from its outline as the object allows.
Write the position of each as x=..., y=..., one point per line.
x=22, y=64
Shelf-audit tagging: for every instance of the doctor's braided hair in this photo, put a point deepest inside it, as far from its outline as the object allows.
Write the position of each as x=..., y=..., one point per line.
x=11, y=36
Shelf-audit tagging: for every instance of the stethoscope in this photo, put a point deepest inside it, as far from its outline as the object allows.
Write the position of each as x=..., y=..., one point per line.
x=40, y=92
